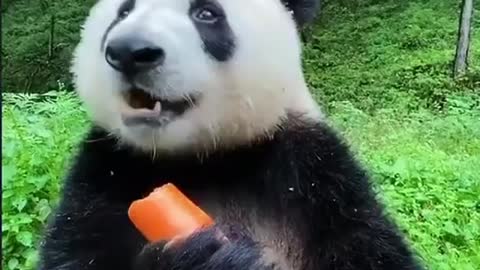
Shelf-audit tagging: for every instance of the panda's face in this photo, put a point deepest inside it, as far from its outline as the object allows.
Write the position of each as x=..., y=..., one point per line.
x=189, y=74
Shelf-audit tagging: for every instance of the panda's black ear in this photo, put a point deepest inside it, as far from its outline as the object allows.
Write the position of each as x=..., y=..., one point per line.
x=304, y=11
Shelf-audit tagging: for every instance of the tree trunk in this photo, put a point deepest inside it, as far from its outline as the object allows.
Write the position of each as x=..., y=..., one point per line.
x=463, y=42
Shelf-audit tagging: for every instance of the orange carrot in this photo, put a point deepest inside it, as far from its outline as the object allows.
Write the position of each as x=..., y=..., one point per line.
x=166, y=213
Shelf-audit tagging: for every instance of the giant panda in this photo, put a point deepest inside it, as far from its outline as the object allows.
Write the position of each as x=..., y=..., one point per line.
x=210, y=96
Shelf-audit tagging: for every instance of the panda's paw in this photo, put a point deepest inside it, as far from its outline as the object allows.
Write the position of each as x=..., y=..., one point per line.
x=207, y=249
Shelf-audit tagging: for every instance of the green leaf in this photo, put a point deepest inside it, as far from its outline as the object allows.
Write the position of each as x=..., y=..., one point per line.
x=13, y=264
x=450, y=228
x=8, y=173
x=31, y=258
x=23, y=218
x=43, y=209
x=8, y=149
x=39, y=181
x=25, y=238
x=20, y=203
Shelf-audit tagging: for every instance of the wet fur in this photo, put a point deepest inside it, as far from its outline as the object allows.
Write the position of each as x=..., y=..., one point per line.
x=301, y=194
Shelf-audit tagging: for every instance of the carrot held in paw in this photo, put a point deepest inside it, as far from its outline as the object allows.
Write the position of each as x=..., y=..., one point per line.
x=167, y=213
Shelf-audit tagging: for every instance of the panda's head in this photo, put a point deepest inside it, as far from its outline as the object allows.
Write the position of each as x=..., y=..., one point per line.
x=192, y=74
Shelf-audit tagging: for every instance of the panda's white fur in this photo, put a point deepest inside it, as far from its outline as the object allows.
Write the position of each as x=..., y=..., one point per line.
x=243, y=99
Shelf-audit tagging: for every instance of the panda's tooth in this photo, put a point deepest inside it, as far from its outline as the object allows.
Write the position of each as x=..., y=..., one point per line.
x=157, y=107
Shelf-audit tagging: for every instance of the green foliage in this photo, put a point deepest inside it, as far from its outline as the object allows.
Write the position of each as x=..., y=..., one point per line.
x=38, y=132
x=35, y=57
x=383, y=53
x=426, y=167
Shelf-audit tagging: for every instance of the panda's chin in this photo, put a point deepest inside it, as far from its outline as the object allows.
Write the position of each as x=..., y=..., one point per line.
x=142, y=108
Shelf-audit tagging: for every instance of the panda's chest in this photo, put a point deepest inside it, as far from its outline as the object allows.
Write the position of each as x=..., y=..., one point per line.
x=283, y=244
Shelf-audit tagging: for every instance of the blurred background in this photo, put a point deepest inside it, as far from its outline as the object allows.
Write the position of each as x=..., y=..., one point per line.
x=384, y=71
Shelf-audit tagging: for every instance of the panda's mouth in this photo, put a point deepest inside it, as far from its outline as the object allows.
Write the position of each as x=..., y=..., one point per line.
x=144, y=108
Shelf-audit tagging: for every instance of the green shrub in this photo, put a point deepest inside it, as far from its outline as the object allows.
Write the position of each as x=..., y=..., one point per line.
x=38, y=136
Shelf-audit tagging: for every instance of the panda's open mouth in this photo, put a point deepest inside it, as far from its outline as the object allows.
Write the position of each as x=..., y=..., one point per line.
x=144, y=108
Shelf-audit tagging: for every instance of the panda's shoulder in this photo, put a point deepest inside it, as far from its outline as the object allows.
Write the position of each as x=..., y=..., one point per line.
x=307, y=136
x=314, y=147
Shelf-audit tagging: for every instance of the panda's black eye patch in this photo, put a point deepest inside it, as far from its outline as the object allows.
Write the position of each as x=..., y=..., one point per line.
x=211, y=22
x=125, y=9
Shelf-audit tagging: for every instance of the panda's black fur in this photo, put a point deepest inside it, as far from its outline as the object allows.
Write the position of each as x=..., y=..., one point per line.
x=305, y=179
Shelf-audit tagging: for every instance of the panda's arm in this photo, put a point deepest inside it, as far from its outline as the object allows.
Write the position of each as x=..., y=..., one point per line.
x=90, y=229
x=89, y=233
x=344, y=227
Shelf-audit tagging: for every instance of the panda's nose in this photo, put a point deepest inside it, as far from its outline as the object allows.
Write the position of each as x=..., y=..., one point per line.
x=131, y=55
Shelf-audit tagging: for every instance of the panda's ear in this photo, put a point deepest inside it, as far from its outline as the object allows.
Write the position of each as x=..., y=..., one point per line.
x=304, y=11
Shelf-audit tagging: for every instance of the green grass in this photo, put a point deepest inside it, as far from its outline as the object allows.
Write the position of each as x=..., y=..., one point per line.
x=387, y=53
x=425, y=164
x=426, y=167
